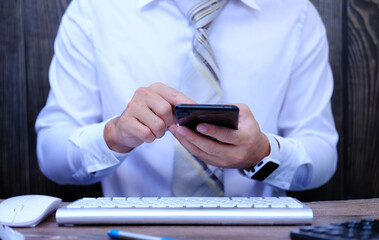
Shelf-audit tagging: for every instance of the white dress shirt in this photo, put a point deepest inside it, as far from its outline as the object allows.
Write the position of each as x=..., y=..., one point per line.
x=273, y=56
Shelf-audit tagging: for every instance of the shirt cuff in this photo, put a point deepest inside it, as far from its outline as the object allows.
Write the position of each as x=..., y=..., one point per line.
x=93, y=156
x=295, y=169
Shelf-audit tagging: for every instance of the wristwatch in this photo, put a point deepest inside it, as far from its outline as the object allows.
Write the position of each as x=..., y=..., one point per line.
x=262, y=170
x=267, y=165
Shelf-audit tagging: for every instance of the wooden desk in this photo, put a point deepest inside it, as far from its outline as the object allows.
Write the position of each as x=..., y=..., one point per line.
x=324, y=213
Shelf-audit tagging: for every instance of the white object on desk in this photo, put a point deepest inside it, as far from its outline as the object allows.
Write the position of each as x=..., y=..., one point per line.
x=27, y=210
x=7, y=233
x=186, y=210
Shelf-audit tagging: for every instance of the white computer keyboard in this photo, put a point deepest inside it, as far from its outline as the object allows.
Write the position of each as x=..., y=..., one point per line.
x=186, y=210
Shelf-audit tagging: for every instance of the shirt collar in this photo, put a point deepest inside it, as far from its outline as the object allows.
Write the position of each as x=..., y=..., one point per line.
x=250, y=3
x=142, y=3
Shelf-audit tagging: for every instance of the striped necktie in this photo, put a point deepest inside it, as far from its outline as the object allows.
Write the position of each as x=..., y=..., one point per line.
x=200, y=81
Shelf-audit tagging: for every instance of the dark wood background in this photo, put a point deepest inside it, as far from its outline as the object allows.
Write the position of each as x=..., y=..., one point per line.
x=27, y=32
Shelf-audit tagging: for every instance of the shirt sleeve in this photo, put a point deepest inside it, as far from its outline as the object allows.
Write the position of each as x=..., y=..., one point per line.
x=70, y=145
x=307, y=134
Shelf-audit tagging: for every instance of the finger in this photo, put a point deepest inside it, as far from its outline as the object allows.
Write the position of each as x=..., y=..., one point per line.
x=222, y=134
x=145, y=116
x=156, y=125
x=247, y=128
x=171, y=95
x=192, y=148
x=209, y=146
x=132, y=129
x=162, y=109
x=151, y=110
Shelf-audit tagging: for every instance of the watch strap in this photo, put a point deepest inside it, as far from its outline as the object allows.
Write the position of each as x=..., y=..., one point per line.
x=270, y=163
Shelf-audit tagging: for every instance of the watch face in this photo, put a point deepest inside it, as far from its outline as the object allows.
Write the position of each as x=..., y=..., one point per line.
x=265, y=171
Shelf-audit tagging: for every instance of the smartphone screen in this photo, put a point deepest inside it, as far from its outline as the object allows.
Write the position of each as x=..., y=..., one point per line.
x=190, y=115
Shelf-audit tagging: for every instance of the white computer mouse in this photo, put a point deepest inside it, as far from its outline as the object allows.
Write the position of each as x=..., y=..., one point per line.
x=27, y=210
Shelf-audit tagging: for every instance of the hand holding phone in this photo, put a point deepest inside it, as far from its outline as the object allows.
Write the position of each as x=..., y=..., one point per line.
x=190, y=115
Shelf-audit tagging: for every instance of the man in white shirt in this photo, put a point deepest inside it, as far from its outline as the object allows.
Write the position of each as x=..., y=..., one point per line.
x=115, y=77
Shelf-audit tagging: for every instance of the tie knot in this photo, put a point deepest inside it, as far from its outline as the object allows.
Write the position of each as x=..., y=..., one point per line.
x=200, y=13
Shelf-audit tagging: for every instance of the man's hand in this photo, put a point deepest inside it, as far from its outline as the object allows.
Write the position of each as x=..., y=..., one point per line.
x=240, y=148
x=145, y=119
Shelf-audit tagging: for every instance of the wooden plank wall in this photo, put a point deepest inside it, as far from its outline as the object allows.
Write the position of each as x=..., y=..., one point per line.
x=353, y=32
x=27, y=31
x=362, y=110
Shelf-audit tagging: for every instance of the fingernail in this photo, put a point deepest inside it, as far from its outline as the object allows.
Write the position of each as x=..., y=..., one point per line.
x=201, y=128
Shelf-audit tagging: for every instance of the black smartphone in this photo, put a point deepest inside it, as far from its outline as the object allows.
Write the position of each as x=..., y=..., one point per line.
x=190, y=115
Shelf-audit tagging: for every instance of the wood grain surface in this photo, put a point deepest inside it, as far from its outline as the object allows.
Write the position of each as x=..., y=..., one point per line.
x=362, y=150
x=30, y=27
x=14, y=152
